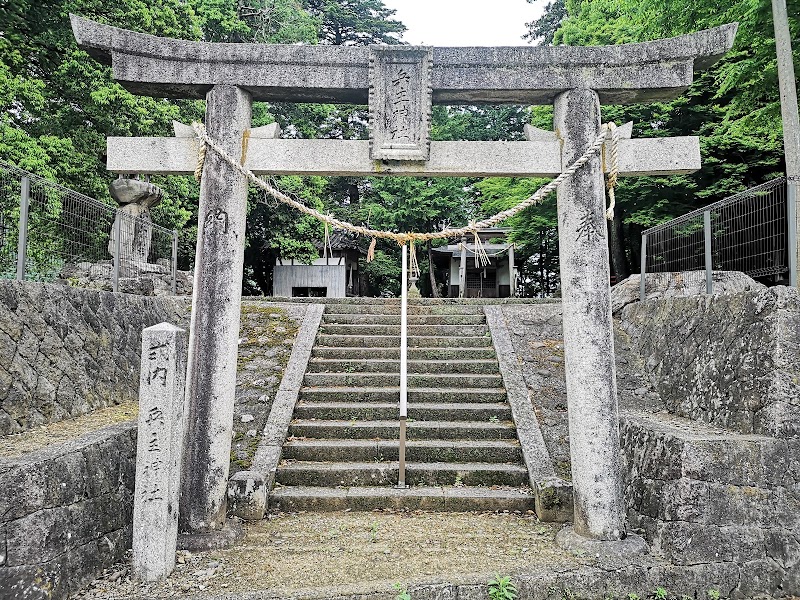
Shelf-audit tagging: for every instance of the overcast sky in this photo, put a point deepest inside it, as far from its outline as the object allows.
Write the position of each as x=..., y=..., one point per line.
x=465, y=22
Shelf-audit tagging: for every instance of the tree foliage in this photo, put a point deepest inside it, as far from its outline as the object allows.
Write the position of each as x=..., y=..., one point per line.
x=733, y=107
x=542, y=30
x=58, y=106
x=355, y=22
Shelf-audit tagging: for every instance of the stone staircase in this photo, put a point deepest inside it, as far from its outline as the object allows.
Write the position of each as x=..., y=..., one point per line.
x=342, y=450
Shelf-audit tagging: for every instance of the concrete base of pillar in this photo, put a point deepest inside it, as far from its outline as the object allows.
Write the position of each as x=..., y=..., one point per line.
x=213, y=540
x=632, y=545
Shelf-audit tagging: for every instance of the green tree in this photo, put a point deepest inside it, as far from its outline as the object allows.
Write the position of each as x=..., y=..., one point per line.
x=58, y=105
x=542, y=30
x=534, y=230
x=733, y=107
x=403, y=204
x=355, y=22
x=276, y=231
x=261, y=21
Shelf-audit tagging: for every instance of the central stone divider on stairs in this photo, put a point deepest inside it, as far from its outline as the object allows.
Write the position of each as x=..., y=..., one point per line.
x=342, y=448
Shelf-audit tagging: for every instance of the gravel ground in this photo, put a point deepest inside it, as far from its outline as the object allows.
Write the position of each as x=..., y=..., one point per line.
x=290, y=552
x=15, y=445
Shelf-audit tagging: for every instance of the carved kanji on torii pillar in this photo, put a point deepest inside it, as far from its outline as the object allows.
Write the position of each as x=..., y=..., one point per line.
x=400, y=84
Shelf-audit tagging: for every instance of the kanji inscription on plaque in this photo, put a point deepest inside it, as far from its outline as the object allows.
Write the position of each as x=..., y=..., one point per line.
x=400, y=103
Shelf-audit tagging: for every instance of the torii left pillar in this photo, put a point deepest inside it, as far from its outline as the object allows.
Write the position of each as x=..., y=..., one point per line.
x=216, y=307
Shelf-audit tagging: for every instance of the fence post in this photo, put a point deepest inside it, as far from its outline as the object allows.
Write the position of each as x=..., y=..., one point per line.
x=22, y=243
x=117, y=250
x=791, y=220
x=709, y=264
x=643, y=272
x=174, y=262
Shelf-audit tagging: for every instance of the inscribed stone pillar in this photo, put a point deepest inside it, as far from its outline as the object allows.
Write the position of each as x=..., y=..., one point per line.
x=213, y=348
x=588, y=335
x=159, y=450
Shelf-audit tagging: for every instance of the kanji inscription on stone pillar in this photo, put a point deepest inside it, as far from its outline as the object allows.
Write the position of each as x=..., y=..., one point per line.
x=159, y=450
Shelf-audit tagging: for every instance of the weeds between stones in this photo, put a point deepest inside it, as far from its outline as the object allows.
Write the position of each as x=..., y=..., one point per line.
x=502, y=588
x=402, y=592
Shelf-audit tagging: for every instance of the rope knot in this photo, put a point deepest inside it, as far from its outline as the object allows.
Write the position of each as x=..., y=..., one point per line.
x=481, y=257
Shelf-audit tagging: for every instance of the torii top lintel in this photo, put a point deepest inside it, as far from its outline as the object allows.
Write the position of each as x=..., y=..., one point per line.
x=164, y=67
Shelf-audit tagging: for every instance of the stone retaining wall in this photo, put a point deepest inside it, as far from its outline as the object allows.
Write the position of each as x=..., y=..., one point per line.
x=704, y=496
x=731, y=361
x=66, y=351
x=66, y=513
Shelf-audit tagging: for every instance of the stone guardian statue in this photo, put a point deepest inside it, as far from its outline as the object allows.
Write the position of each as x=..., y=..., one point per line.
x=135, y=198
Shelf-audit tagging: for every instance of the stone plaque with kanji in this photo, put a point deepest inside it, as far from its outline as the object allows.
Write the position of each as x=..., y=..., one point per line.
x=400, y=103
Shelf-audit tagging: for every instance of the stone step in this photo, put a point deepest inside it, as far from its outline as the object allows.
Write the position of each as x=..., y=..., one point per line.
x=494, y=451
x=447, y=498
x=350, y=474
x=393, y=341
x=422, y=411
x=417, y=353
x=413, y=320
x=413, y=330
x=392, y=394
x=390, y=430
x=415, y=380
x=394, y=309
x=369, y=365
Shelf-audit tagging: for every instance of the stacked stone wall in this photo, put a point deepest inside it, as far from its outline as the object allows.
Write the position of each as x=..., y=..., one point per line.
x=705, y=496
x=730, y=361
x=65, y=351
x=66, y=513
x=713, y=479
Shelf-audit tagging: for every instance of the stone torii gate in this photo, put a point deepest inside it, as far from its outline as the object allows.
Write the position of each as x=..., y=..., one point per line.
x=400, y=83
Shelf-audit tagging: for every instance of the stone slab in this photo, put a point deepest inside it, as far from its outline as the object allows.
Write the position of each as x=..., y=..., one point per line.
x=276, y=429
x=67, y=351
x=626, y=548
x=679, y=283
x=729, y=360
x=553, y=495
x=65, y=513
x=553, y=500
x=540, y=158
x=161, y=67
x=247, y=496
x=224, y=537
x=665, y=447
x=159, y=451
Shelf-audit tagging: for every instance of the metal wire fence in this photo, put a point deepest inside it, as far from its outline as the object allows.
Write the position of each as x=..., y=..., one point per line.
x=49, y=232
x=751, y=232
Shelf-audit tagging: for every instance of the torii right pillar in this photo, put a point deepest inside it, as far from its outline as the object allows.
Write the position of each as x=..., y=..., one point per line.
x=599, y=508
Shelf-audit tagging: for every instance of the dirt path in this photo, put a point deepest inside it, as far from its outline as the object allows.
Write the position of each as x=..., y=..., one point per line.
x=346, y=551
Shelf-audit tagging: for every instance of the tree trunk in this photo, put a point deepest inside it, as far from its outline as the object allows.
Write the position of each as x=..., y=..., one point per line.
x=618, y=260
x=434, y=288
